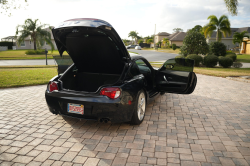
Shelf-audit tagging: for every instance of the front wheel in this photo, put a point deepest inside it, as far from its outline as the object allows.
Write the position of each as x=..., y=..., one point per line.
x=140, y=109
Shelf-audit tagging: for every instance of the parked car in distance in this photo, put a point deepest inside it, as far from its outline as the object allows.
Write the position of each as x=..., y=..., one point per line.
x=138, y=47
x=131, y=46
x=104, y=82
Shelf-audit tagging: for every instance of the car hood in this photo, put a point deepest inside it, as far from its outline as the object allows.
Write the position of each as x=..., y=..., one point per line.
x=90, y=42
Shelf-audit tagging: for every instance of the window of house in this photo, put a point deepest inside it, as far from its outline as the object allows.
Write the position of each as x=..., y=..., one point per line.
x=22, y=44
x=46, y=43
x=30, y=42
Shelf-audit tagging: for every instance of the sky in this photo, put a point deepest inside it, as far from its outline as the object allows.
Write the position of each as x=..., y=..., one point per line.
x=127, y=15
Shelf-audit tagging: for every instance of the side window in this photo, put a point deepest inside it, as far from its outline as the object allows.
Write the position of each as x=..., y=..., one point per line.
x=143, y=67
x=134, y=70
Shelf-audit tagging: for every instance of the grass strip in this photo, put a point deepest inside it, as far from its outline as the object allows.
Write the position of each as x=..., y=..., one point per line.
x=218, y=71
x=245, y=58
x=16, y=77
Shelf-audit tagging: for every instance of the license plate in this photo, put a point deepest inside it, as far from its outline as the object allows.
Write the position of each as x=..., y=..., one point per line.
x=75, y=108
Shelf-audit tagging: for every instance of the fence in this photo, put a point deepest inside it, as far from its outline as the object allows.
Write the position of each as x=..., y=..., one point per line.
x=3, y=48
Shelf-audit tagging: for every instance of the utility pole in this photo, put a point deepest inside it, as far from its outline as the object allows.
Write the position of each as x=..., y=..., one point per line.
x=154, y=35
x=46, y=52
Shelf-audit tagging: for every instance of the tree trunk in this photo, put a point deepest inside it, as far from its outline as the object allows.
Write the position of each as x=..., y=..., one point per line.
x=239, y=48
x=34, y=44
x=217, y=35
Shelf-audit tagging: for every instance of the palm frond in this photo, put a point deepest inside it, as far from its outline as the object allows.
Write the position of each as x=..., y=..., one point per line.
x=226, y=31
x=213, y=20
x=208, y=30
x=223, y=17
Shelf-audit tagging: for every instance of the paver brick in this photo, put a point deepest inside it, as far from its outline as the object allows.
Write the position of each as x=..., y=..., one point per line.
x=197, y=129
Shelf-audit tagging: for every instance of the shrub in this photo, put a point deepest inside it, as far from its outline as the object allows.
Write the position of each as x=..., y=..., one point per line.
x=232, y=55
x=220, y=57
x=174, y=46
x=218, y=48
x=184, y=50
x=194, y=43
x=229, y=51
x=197, y=59
x=237, y=65
x=210, y=60
x=34, y=52
x=225, y=62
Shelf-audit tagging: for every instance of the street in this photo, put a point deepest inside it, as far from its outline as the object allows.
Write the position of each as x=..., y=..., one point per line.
x=149, y=55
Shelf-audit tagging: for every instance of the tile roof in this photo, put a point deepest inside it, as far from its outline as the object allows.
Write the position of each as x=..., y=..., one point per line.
x=163, y=34
x=179, y=36
x=232, y=30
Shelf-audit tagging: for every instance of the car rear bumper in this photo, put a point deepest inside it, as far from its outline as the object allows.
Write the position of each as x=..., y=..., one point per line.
x=95, y=106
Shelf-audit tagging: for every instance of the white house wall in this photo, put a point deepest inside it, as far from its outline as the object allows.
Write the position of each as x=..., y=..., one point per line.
x=227, y=42
x=31, y=46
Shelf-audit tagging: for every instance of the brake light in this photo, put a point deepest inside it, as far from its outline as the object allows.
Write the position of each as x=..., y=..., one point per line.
x=53, y=86
x=112, y=93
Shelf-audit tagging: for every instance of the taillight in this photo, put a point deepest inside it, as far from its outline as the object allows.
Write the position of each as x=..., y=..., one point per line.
x=53, y=86
x=112, y=93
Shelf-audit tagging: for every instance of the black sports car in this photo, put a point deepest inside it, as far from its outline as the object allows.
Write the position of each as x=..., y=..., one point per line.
x=106, y=83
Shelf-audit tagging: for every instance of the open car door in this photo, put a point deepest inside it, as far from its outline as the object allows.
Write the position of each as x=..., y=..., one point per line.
x=63, y=62
x=176, y=76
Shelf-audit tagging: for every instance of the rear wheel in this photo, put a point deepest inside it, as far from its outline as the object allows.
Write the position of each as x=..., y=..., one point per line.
x=140, y=109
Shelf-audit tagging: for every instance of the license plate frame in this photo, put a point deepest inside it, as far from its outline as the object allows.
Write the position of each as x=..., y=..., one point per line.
x=75, y=108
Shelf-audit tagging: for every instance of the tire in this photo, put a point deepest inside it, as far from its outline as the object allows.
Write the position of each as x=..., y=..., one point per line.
x=140, y=109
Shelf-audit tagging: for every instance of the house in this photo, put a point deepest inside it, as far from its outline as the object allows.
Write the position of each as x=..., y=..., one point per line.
x=28, y=44
x=177, y=38
x=158, y=37
x=228, y=40
x=245, y=47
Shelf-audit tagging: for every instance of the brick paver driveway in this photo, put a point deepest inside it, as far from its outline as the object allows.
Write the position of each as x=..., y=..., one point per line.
x=209, y=127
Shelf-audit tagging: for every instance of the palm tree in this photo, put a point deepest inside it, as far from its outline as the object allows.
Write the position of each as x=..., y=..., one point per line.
x=149, y=41
x=133, y=35
x=36, y=32
x=238, y=38
x=221, y=25
x=165, y=41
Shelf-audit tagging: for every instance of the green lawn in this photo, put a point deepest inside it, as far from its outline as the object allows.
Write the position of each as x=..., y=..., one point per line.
x=24, y=76
x=218, y=71
x=16, y=76
x=20, y=54
x=243, y=58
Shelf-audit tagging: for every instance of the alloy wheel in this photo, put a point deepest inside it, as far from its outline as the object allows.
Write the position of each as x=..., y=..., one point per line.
x=141, y=106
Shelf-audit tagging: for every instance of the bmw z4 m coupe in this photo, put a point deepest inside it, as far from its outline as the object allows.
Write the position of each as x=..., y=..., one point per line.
x=104, y=82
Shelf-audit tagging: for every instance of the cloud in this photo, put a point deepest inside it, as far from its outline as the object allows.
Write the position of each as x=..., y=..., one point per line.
x=125, y=16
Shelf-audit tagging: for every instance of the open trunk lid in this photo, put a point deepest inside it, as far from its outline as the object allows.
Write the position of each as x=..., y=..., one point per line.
x=92, y=44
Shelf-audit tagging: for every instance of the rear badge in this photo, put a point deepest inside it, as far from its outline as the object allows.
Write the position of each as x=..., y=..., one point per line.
x=109, y=28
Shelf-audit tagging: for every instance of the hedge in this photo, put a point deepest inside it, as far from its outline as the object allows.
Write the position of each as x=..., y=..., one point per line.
x=197, y=59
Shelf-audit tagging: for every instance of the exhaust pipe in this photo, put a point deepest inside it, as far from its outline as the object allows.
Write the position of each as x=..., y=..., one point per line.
x=105, y=120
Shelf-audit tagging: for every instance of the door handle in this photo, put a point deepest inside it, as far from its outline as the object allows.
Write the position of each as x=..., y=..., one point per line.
x=165, y=79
